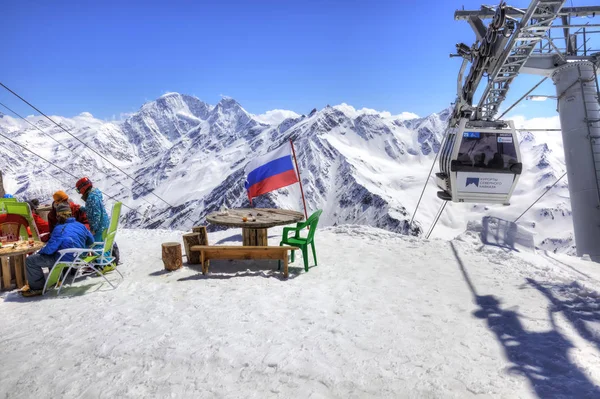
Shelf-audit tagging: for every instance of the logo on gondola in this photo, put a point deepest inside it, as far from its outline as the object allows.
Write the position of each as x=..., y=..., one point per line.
x=472, y=180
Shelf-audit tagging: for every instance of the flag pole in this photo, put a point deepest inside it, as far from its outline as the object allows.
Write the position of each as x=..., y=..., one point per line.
x=299, y=178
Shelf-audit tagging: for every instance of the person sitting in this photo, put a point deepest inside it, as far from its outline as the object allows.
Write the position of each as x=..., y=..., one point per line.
x=497, y=161
x=78, y=213
x=42, y=226
x=68, y=233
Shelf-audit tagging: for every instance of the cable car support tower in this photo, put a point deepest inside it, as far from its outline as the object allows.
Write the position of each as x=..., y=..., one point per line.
x=520, y=41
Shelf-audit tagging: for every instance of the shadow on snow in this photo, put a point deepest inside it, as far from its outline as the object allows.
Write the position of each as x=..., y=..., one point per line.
x=541, y=357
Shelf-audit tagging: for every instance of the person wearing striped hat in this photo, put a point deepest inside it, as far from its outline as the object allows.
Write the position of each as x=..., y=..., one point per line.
x=78, y=213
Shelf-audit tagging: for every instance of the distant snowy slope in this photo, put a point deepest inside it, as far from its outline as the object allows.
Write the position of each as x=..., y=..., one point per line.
x=360, y=166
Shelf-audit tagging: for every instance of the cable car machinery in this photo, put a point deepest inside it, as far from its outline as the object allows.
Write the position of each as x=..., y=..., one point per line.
x=479, y=160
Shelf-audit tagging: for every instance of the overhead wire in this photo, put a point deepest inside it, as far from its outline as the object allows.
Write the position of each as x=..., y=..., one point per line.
x=41, y=169
x=63, y=145
x=76, y=138
x=62, y=169
x=540, y=197
x=429, y=174
x=436, y=218
x=522, y=97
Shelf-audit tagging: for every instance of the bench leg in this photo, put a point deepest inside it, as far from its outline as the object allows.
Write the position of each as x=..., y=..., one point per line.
x=285, y=265
x=202, y=262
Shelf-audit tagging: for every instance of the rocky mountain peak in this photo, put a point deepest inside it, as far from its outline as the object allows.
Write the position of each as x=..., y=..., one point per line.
x=359, y=167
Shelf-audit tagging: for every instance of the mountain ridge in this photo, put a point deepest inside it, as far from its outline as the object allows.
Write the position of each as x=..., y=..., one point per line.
x=362, y=167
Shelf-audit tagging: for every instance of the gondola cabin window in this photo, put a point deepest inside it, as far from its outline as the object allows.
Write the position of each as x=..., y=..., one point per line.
x=494, y=151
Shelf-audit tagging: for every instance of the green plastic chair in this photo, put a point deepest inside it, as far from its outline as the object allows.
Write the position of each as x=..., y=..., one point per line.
x=21, y=209
x=114, y=220
x=96, y=258
x=302, y=242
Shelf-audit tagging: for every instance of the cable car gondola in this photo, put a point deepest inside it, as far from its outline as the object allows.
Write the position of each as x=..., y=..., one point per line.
x=480, y=162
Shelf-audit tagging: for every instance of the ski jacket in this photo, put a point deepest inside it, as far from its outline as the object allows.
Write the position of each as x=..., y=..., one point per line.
x=77, y=212
x=70, y=234
x=42, y=227
x=97, y=216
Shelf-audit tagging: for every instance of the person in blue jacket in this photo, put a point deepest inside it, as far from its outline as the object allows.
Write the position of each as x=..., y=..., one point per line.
x=69, y=233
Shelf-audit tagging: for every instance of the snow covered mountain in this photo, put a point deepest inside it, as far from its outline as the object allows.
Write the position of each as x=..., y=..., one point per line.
x=360, y=166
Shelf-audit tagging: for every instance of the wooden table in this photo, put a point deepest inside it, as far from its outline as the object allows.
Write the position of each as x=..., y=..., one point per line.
x=14, y=259
x=254, y=233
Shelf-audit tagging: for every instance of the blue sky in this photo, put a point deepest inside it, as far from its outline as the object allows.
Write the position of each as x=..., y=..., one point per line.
x=110, y=57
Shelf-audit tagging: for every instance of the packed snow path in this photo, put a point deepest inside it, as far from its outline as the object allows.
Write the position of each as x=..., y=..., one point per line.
x=383, y=315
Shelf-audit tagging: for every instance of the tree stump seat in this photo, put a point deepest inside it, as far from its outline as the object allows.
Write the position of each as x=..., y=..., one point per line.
x=172, y=256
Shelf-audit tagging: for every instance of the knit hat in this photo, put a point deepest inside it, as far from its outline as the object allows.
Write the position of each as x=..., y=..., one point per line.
x=60, y=196
x=63, y=207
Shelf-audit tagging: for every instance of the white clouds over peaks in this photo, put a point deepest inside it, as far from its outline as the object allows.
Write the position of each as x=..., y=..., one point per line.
x=352, y=112
x=275, y=116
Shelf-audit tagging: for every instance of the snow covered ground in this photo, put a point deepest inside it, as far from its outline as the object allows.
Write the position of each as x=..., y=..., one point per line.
x=383, y=315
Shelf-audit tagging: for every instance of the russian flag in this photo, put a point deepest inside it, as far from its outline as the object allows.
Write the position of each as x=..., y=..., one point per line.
x=270, y=172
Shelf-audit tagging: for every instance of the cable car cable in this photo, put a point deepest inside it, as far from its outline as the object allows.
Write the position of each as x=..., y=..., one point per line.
x=41, y=169
x=545, y=192
x=433, y=222
x=58, y=167
x=429, y=175
x=436, y=219
x=91, y=149
x=77, y=154
x=520, y=99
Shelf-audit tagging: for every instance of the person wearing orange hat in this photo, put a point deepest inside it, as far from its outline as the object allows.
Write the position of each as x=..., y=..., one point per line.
x=78, y=213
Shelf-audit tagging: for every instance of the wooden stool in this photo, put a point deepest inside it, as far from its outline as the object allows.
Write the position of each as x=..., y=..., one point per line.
x=203, y=234
x=198, y=237
x=171, y=255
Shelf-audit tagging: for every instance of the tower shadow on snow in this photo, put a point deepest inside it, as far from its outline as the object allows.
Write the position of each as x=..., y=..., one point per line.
x=541, y=357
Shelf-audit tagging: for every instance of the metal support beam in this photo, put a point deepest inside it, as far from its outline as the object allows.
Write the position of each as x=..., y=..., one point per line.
x=587, y=11
x=522, y=43
x=478, y=27
x=522, y=97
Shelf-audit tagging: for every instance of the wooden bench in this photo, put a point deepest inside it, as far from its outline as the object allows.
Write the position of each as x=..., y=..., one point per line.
x=208, y=252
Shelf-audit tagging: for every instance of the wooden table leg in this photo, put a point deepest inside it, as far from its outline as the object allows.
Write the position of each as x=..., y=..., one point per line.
x=24, y=256
x=19, y=270
x=285, y=265
x=5, y=273
x=254, y=237
x=13, y=268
